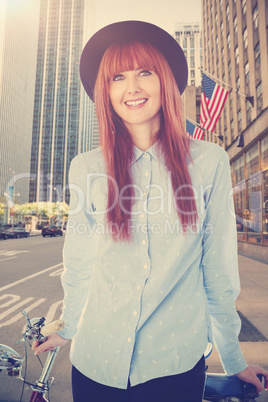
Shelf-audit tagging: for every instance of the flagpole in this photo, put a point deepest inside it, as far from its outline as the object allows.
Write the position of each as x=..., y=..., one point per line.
x=250, y=99
x=197, y=124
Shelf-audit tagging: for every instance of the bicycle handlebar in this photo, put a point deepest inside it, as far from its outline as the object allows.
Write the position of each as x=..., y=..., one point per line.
x=51, y=328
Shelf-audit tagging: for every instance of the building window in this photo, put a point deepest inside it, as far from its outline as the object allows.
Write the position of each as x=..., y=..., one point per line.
x=239, y=192
x=259, y=96
x=244, y=6
x=192, y=82
x=222, y=53
x=248, y=112
x=245, y=38
x=228, y=41
x=239, y=120
x=192, y=74
x=232, y=130
x=236, y=55
x=227, y=12
x=246, y=73
x=257, y=55
x=255, y=17
x=254, y=201
x=185, y=42
x=231, y=101
x=238, y=84
x=221, y=5
x=264, y=157
x=229, y=70
x=192, y=42
x=235, y=25
x=222, y=28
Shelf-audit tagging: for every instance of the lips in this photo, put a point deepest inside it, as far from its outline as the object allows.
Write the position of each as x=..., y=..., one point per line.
x=136, y=102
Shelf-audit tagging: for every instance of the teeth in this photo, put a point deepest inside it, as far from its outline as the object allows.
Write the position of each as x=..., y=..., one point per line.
x=136, y=103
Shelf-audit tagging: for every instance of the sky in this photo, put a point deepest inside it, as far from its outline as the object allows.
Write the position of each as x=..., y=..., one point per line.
x=164, y=13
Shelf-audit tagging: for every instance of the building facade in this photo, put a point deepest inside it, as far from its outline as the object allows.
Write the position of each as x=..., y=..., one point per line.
x=235, y=52
x=189, y=37
x=18, y=49
x=62, y=111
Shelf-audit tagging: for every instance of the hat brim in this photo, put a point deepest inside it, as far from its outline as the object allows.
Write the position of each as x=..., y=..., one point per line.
x=131, y=31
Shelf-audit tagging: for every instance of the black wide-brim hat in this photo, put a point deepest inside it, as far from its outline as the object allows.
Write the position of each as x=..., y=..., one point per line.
x=128, y=31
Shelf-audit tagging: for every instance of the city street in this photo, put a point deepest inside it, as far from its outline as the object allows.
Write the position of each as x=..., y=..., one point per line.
x=30, y=271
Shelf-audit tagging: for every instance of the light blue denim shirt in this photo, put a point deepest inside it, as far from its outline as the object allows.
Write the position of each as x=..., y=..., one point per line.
x=148, y=308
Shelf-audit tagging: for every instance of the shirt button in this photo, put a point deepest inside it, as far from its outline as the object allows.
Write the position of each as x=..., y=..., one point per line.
x=129, y=340
x=146, y=173
x=135, y=313
x=138, y=287
x=143, y=242
x=142, y=215
x=145, y=266
x=146, y=154
x=144, y=194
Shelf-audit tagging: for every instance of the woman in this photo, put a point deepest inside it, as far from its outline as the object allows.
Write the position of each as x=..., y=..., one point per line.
x=150, y=259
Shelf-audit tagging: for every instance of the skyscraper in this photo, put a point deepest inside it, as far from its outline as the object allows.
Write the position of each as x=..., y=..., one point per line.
x=236, y=54
x=62, y=112
x=18, y=48
x=189, y=37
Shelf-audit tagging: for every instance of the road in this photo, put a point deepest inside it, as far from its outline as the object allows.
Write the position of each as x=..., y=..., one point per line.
x=30, y=280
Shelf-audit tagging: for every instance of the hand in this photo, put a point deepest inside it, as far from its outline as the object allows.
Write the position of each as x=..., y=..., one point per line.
x=250, y=375
x=52, y=341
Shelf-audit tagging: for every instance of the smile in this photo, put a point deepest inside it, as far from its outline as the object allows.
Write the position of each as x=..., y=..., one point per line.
x=136, y=103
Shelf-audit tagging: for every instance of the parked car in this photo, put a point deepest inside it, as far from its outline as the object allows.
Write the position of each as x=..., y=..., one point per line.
x=51, y=231
x=2, y=233
x=16, y=233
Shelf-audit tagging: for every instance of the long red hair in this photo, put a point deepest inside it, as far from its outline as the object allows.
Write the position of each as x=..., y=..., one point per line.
x=116, y=142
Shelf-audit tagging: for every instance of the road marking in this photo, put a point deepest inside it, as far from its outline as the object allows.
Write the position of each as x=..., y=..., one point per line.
x=12, y=252
x=29, y=277
x=11, y=309
x=58, y=272
x=19, y=315
x=10, y=258
x=13, y=299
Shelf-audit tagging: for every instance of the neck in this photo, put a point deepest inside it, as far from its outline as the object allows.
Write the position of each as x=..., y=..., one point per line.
x=143, y=137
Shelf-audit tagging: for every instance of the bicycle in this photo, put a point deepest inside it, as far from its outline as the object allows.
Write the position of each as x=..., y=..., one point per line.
x=218, y=388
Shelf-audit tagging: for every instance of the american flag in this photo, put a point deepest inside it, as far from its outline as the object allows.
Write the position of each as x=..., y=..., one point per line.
x=213, y=98
x=194, y=131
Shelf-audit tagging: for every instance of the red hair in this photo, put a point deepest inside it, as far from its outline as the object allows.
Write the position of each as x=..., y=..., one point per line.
x=116, y=142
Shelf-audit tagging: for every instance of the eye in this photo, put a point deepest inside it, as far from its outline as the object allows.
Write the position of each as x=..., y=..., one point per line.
x=118, y=77
x=145, y=72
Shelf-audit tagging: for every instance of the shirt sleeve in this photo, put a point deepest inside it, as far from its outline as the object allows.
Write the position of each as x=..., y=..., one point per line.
x=79, y=249
x=220, y=266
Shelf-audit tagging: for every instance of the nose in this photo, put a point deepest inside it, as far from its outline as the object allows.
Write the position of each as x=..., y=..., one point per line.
x=133, y=85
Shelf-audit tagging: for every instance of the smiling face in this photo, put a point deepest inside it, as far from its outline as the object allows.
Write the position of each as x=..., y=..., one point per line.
x=136, y=98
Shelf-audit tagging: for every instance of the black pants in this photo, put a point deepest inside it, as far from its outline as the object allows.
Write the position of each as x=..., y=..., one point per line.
x=185, y=387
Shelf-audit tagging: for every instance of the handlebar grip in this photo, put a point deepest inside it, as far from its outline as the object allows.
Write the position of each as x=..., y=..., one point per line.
x=53, y=327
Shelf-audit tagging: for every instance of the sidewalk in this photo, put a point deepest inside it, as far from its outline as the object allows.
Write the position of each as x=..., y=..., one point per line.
x=252, y=303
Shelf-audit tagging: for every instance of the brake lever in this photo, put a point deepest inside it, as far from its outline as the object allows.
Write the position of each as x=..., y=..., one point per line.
x=33, y=328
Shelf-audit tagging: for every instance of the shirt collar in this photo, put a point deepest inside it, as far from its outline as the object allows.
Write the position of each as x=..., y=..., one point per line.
x=155, y=151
